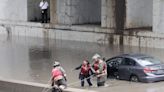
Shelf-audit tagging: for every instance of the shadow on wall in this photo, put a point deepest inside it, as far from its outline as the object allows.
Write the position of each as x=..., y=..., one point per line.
x=120, y=12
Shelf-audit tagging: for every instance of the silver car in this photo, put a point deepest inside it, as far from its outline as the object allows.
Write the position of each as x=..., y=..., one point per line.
x=135, y=67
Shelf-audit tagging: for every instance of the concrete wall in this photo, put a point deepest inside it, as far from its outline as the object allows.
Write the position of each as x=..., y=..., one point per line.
x=61, y=12
x=34, y=12
x=139, y=13
x=15, y=10
x=108, y=13
x=158, y=16
x=128, y=13
x=78, y=11
x=86, y=11
x=53, y=13
x=133, y=37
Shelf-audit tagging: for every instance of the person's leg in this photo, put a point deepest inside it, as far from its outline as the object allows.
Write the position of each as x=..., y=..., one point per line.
x=42, y=16
x=53, y=89
x=62, y=84
x=46, y=14
x=56, y=90
x=103, y=78
x=82, y=80
x=101, y=83
x=89, y=81
x=98, y=82
x=44, y=19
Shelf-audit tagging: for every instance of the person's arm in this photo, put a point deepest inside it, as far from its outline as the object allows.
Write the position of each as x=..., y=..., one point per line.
x=102, y=70
x=102, y=74
x=101, y=66
x=52, y=81
x=47, y=4
x=41, y=4
x=79, y=67
x=92, y=70
x=63, y=71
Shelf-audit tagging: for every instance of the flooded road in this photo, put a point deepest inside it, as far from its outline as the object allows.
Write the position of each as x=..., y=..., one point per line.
x=31, y=59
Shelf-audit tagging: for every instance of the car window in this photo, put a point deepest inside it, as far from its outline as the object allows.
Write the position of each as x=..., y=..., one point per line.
x=114, y=62
x=128, y=61
x=148, y=61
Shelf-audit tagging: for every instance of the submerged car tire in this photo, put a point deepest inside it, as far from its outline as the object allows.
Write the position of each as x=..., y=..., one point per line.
x=134, y=78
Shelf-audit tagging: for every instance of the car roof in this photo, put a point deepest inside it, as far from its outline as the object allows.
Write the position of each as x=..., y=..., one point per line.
x=134, y=55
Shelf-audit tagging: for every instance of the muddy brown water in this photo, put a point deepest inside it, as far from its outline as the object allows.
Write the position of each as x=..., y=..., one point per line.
x=30, y=59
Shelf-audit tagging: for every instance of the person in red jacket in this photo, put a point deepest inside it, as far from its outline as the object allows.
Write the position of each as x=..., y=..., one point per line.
x=58, y=81
x=85, y=72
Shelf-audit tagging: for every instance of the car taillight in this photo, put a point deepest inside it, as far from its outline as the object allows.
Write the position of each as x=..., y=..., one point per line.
x=148, y=70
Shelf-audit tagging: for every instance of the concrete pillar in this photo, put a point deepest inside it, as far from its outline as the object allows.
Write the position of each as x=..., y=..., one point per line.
x=108, y=13
x=53, y=12
x=63, y=11
x=158, y=16
x=78, y=11
x=139, y=13
x=85, y=11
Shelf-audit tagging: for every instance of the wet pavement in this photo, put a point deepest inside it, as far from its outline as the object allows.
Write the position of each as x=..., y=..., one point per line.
x=31, y=59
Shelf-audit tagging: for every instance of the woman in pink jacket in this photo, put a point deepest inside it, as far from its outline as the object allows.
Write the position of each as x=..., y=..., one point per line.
x=58, y=77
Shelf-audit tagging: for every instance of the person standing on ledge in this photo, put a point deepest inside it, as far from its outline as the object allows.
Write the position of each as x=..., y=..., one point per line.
x=44, y=7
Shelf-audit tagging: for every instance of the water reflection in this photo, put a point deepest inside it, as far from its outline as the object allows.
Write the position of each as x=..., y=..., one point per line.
x=38, y=53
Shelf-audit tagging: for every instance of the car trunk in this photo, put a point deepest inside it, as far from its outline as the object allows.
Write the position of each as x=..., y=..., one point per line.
x=156, y=69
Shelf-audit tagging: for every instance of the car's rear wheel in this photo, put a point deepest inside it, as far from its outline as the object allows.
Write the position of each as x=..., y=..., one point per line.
x=134, y=78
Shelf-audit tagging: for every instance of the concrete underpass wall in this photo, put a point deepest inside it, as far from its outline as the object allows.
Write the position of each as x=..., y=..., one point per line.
x=62, y=12
x=158, y=16
x=133, y=37
x=108, y=13
x=85, y=11
x=15, y=10
x=78, y=11
x=139, y=13
x=34, y=12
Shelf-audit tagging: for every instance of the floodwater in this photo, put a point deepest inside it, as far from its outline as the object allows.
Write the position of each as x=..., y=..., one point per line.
x=30, y=59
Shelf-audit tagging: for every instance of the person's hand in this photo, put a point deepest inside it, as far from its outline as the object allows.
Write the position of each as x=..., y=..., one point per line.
x=97, y=71
x=55, y=86
x=98, y=75
x=52, y=84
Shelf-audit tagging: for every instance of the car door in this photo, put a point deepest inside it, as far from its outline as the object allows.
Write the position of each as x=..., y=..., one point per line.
x=126, y=68
x=112, y=66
